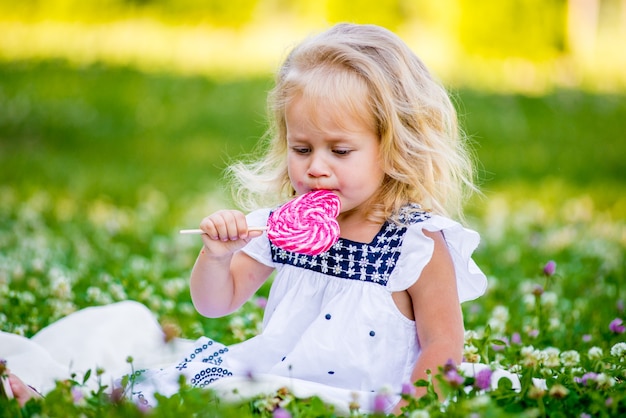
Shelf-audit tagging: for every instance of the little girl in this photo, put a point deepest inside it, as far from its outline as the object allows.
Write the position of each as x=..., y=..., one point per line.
x=354, y=111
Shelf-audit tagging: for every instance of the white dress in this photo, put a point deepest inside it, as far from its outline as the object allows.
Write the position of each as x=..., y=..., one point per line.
x=331, y=327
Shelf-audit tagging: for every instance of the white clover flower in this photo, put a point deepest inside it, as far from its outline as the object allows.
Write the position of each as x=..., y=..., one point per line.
x=20, y=330
x=480, y=401
x=577, y=370
x=147, y=293
x=419, y=413
x=96, y=295
x=554, y=323
x=470, y=354
x=570, y=358
x=174, y=287
x=526, y=287
x=499, y=318
x=550, y=357
x=605, y=381
x=549, y=299
x=61, y=287
x=470, y=335
x=595, y=353
x=501, y=313
x=619, y=350
x=117, y=291
x=531, y=357
x=155, y=303
x=62, y=308
x=25, y=297
x=237, y=322
x=18, y=272
x=529, y=301
x=169, y=305
x=38, y=265
x=186, y=308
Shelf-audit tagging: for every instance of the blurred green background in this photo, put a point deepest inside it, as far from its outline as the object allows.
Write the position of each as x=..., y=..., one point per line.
x=110, y=98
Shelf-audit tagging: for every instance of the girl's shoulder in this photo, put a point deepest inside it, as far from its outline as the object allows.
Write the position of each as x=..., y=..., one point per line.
x=417, y=251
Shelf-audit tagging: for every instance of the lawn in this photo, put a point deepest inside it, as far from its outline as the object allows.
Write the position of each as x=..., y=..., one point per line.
x=102, y=165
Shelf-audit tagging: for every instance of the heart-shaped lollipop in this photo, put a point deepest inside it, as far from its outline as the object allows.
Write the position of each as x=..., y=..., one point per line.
x=307, y=224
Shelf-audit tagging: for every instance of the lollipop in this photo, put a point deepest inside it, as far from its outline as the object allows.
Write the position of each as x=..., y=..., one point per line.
x=305, y=225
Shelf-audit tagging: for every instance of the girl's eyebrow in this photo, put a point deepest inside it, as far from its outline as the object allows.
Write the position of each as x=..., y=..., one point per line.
x=334, y=139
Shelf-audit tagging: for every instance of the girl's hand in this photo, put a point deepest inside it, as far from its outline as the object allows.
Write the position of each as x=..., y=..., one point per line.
x=226, y=231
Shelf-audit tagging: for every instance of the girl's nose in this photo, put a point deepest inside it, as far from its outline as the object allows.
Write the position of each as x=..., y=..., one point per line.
x=317, y=166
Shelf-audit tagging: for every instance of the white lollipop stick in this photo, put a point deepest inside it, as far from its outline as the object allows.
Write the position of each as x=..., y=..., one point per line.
x=200, y=232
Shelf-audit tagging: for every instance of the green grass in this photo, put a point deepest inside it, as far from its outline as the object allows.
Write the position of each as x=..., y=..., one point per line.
x=108, y=131
x=105, y=130
x=101, y=166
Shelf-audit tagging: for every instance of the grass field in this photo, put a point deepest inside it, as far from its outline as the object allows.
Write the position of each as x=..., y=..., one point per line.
x=101, y=165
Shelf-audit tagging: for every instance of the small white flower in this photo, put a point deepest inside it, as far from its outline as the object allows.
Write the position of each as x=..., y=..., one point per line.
x=480, y=401
x=595, y=353
x=168, y=305
x=605, y=381
x=60, y=286
x=531, y=357
x=570, y=358
x=419, y=414
x=20, y=330
x=619, y=350
x=117, y=291
x=549, y=299
x=554, y=323
x=174, y=287
x=499, y=318
x=237, y=322
x=550, y=357
x=529, y=301
x=470, y=335
x=526, y=287
x=470, y=354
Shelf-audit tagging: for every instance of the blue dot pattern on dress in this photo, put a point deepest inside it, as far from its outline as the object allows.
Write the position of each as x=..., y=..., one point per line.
x=208, y=376
x=206, y=354
x=371, y=262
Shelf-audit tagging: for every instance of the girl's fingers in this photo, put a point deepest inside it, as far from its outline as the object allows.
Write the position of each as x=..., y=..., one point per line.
x=227, y=225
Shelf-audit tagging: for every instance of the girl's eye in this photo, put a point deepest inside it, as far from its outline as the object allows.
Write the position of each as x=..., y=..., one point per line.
x=300, y=150
x=342, y=151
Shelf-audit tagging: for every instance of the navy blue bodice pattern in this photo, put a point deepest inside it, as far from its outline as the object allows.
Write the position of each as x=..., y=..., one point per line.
x=369, y=262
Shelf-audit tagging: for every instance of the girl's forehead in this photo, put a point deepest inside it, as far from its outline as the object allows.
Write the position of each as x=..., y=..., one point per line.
x=341, y=97
x=342, y=110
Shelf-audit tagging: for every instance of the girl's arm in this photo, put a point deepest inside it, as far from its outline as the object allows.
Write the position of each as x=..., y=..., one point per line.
x=223, y=278
x=438, y=315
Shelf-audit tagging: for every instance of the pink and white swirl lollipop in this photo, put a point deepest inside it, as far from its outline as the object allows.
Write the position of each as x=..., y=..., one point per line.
x=307, y=224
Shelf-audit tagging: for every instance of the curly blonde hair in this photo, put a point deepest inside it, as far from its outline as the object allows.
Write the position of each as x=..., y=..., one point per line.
x=424, y=153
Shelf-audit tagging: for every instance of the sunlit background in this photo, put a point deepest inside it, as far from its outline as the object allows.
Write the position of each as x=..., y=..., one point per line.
x=521, y=45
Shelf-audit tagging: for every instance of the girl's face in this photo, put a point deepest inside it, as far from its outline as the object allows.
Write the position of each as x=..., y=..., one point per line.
x=333, y=148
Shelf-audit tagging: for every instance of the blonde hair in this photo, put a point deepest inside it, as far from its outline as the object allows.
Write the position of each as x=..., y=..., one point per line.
x=423, y=151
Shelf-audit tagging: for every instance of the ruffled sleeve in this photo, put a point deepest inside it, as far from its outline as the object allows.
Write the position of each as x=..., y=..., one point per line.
x=259, y=247
x=417, y=250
